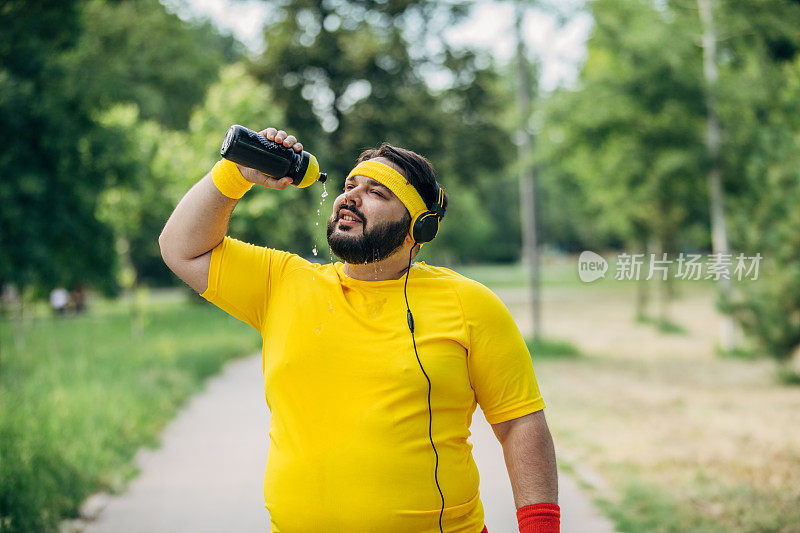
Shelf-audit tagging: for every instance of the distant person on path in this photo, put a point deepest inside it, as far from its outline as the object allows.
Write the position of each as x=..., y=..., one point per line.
x=59, y=299
x=9, y=297
x=78, y=299
x=371, y=409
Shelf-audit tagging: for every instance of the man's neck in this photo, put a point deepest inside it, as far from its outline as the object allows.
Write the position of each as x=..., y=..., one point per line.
x=393, y=267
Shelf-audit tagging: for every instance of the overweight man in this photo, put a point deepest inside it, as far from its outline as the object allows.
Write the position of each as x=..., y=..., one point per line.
x=373, y=366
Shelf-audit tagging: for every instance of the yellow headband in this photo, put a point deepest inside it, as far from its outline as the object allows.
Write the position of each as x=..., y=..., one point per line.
x=395, y=182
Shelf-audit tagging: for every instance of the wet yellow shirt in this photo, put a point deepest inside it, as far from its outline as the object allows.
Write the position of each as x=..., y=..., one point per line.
x=349, y=448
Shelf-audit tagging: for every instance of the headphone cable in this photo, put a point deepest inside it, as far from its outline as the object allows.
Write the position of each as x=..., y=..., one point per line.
x=410, y=319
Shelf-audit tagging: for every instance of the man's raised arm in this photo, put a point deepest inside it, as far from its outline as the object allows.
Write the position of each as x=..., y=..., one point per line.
x=200, y=220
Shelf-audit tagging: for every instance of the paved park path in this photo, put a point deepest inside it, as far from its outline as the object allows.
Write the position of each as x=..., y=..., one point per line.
x=207, y=475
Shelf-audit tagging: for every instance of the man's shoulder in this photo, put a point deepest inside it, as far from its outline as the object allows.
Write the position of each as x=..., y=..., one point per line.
x=466, y=287
x=481, y=306
x=424, y=270
x=262, y=258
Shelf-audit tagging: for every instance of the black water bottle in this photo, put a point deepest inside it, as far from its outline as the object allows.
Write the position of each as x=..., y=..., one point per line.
x=247, y=148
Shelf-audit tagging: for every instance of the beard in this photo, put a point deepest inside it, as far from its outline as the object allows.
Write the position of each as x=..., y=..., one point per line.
x=372, y=244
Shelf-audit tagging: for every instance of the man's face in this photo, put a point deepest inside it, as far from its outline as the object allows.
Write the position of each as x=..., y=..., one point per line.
x=381, y=221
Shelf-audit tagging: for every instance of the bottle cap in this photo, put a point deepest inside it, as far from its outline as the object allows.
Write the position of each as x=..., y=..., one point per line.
x=312, y=173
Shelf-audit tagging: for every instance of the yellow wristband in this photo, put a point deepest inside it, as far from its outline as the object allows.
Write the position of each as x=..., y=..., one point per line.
x=229, y=180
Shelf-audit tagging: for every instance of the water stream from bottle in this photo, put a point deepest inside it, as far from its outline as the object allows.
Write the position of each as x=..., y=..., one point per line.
x=314, y=251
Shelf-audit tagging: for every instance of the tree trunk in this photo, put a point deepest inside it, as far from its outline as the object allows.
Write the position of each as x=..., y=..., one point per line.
x=527, y=181
x=642, y=287
x=130, y=284
x=719, y=232
x=665, y=294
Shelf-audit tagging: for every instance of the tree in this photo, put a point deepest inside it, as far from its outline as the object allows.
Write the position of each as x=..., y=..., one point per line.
x=629, y=138
x=758, y=93
x=628, y=143
x=719, y=228
x=138, y=52
x=48, y=230
x=528, y=204
x=61, y=67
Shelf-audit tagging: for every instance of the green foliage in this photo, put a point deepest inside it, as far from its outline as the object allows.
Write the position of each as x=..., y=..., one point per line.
x=624, y=151
x=138, y=52
x=62, y=66
x=760, y=103
x=70, y=427
x=135, y=208
x=99, y=103
x=48, y=231
x=262, y=216
x=788, y=376
x=623, y=160
x=168, y=162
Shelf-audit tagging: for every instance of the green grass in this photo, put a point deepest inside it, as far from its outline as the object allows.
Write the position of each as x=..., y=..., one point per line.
x=706, y=506
x=555, y=270
x=561, y=270
x=85, y=393
x=491, y=275
x=552, y=349
x=788, y=376
x=746, y=354
x=665, y=326
x=645, y=507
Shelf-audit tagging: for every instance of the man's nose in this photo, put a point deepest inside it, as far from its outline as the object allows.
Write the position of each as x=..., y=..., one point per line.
x=352, y=196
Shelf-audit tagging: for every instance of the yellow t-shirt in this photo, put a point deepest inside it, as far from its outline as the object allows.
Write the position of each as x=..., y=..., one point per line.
x=349, y=447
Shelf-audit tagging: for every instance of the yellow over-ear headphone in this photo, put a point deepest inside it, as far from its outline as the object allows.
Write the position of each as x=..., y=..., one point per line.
x=425, y=226
x=424, y=221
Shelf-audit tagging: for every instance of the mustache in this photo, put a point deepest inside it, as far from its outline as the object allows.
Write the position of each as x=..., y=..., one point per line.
x=353, y=209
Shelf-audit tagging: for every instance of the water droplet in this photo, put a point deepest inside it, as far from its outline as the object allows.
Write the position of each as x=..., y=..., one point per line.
x=314, y=250
x=324, y=191
x=316, y=223
x=330, y=306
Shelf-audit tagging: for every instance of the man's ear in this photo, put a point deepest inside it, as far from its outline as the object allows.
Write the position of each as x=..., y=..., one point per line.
x=417, y=247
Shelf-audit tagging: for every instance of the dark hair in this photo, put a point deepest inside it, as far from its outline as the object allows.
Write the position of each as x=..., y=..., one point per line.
x=414, y=167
